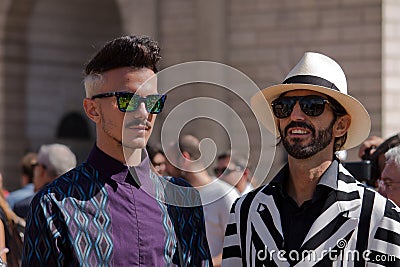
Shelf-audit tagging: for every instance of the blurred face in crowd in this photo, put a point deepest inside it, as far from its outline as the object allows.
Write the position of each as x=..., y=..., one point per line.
x=221, y=166
x=40, y=177
x=232, y=174
x=389, y=184
x=159, y=163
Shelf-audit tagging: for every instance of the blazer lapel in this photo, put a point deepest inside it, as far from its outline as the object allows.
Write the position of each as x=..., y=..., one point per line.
x=265, y=230
x=336, y=223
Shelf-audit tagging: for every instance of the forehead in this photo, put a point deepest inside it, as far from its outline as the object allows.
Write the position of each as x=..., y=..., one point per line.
x=302, y=92
x=142, y=81
x=391, y=170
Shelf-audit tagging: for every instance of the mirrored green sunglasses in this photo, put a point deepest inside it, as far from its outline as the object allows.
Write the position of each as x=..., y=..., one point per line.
x=129, y=101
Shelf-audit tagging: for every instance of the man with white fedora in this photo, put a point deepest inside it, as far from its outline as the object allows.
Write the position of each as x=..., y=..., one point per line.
x=313, y=212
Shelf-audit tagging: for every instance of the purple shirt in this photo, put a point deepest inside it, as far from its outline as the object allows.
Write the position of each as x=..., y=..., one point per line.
x=138, y=232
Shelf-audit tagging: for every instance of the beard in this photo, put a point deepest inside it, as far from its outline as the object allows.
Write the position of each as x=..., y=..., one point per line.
x=320, y=140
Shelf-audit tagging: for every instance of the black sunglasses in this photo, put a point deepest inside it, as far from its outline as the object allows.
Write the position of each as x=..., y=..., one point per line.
x=129, y=101
x=311, y=105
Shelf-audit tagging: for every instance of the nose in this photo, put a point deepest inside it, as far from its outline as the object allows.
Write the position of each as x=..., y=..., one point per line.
x=142, y=111
x=297, y=114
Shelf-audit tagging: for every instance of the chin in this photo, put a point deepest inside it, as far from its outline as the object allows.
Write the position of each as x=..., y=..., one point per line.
x=138, y=143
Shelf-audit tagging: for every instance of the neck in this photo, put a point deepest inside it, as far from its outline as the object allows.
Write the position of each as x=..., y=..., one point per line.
x=305, y=175
x=133, y=157
x=241, y=185
x=197, y=179
x=128, y=156
x=114, y=148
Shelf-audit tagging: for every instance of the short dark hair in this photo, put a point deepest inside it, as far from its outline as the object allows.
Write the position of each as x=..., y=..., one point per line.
x=338, y=111
x=126, y=51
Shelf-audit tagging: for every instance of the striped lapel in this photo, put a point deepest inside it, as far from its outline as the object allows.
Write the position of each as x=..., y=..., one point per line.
x=264, y=227
x=340, y=207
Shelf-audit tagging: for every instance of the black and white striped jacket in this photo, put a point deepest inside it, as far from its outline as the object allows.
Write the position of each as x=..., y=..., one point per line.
x=359, y=227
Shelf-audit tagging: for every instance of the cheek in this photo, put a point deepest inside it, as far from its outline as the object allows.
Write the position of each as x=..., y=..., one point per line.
x=279, y=126
x=111, y=114
x=394, y=195
x=113, y=120
x=151, y=118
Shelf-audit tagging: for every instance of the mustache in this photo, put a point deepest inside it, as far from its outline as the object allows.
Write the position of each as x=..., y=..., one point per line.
x=138, y=122
x=299, y=124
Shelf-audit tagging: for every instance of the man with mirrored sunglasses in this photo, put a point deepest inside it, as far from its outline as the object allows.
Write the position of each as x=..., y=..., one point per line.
x=114, y=209
x=313, y=212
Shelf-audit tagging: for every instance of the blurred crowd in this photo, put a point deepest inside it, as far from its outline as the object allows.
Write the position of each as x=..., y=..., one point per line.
x=37, y=170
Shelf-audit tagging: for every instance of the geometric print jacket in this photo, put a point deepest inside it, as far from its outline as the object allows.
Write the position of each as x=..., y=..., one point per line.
x=69, y=223
x=357, y=227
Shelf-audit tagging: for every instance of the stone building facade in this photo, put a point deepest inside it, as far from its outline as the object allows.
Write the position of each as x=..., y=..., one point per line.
x=44, y=45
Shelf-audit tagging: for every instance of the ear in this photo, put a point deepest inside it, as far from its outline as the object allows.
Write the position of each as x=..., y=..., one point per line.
x=186, y=155
x=185, y=160
x=341, y=126
x=91, y=110
x=246, y=173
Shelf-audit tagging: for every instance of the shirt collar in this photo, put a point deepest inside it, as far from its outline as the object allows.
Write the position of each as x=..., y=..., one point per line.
x=108, y=167
x=328, y=178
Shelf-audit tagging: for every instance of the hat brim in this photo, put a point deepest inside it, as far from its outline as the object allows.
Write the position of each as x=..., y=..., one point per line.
x=360, y=121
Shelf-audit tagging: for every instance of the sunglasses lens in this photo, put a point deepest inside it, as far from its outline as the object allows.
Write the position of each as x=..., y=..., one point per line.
x=129, y=102
x=155, y=103
x=126, y=103
x=312, y=105
x=283, y=107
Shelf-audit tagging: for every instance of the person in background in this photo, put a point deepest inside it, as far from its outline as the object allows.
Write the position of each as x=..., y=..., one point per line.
x=234, y=169
x=368, y=147
x=28, y=163
x=313, y=212
x=113, y=210
x=157, y=158
x=374, y=149
x=53, y=160
x=10, y=239
x=217, y=196
x=389, y=182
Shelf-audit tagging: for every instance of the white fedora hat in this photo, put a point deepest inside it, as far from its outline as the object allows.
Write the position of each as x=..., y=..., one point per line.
x=319, y=73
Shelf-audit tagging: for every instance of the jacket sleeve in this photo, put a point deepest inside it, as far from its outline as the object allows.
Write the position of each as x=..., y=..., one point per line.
x=385, y=246
x=231, y=254
x=189, y=225
x=45, y=242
